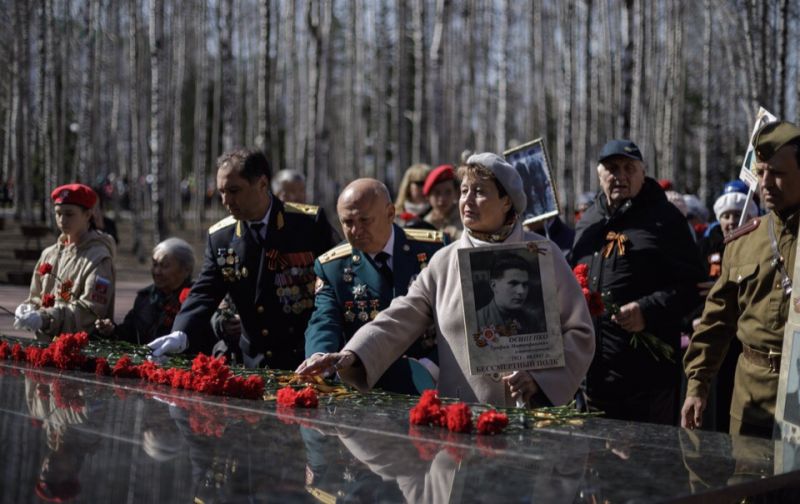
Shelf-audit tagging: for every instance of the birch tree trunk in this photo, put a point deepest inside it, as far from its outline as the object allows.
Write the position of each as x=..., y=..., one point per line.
x=264, y=75
x=136, y=172
x=228, y=79
x=156, y=34
x=415, y=116
x=175, y=207
x=199, y=161
x=81, y=171
x=435, y=81
x=502, y=83
x=703, y=192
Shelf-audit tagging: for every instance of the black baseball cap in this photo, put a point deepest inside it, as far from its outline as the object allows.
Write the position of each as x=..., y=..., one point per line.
x=620, y=148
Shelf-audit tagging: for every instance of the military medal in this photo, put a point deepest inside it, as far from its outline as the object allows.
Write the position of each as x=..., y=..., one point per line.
x=359, y=291
x=422, y=258
x=363, y=316
x=374, y=303
x=348, y=314
x=347, y=275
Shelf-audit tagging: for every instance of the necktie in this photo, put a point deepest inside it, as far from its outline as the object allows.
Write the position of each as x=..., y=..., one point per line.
x=256, y=228
x=382, y=261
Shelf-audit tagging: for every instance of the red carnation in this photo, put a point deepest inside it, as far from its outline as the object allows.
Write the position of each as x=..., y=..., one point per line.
x=184, y=294
x=44, y=268
x=5, y=350
x=48, y=300
x=286, y=396
x=581, y=273
x=491, y=422
x=17, y=352
x=101, y=367
x=428, y=411
x=307, y=398
x=459, y=418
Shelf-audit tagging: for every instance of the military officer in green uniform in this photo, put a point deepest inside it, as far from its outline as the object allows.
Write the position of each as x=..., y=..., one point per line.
x=263, y=256
x=751, y=298
x=359, y=278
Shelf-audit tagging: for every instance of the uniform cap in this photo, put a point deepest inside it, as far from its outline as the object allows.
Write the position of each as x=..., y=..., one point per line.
x=74, y=194
x=772, y=136
x=439, y=174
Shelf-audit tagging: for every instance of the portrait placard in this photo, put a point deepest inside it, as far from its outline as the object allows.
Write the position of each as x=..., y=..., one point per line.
x=787, y=407
x=510, y=313
x=531, y=162
x=747, y=172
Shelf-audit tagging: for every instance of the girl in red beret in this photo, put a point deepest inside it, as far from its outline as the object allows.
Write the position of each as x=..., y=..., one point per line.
x=441, y=189
x=73, y=284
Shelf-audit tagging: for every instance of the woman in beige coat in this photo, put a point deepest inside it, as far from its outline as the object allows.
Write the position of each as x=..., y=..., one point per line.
x=491, y=199
x=73, y=284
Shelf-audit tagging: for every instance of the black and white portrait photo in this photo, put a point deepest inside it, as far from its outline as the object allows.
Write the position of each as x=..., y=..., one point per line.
x=506, y=313
x=530, y=161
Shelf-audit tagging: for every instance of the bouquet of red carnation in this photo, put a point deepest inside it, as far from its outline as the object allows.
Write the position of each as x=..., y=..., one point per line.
x=602, y=303
x=65, y=291
x=593, y=299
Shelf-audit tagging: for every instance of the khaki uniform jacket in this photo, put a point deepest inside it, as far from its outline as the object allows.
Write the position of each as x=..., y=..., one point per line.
x=747, y=301
x=435, y=297
x=90, y=268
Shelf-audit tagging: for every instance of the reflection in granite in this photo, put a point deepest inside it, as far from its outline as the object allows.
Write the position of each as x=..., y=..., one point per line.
x=74, y=435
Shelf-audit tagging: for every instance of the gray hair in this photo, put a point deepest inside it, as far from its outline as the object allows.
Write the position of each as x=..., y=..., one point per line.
x=286, y=176
x=180, y=250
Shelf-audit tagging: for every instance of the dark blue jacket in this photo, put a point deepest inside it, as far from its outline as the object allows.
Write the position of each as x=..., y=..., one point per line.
x=272, y=285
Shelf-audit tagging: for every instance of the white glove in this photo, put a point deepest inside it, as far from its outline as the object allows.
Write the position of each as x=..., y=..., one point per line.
x=174, y=342
x=23, y=309
x=32, y=321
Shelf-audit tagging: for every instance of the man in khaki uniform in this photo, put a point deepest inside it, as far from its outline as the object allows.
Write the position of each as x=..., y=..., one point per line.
x=752, y=296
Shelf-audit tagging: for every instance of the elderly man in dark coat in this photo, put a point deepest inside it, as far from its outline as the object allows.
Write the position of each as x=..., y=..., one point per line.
x=640, y=253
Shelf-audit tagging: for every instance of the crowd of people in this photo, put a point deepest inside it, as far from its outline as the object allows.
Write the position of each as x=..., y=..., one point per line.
x=684, y=300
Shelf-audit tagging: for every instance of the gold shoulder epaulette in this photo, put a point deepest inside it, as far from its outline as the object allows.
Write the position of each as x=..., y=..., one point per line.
x=742, y=230
x=345, y=249
x=301, y=208
x=424, y=235
x=227, y=221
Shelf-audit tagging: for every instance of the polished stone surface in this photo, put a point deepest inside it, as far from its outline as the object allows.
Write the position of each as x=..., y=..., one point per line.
x=116, y=440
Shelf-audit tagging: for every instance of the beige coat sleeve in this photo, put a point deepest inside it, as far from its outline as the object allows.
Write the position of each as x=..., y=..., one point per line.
x=577, y=331
x=381, y=342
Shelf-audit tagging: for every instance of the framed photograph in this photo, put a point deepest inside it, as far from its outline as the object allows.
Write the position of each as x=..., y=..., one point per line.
x=787, y=409
x=511, y=324
x=531, y=162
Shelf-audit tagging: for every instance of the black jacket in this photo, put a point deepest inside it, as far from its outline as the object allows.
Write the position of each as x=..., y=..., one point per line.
x=659, y=268
x=152, y=316
x=271, y=284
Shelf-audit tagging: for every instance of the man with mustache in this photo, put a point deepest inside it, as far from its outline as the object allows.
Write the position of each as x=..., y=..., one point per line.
x=510, y=312
x=751, y=299
x=641, y=255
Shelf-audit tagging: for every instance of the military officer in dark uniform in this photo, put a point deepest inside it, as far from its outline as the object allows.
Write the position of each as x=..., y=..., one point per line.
x=263, y=256
x=751, y=298
x=361, y=277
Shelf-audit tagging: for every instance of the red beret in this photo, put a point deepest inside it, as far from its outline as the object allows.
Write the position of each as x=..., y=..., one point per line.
x=441, y=173
x=74, y=194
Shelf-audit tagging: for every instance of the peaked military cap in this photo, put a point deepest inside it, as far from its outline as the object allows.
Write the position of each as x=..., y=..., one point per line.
x=772, y=136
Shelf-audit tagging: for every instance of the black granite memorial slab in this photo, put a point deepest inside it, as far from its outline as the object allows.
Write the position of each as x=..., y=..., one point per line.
x=81, y=438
